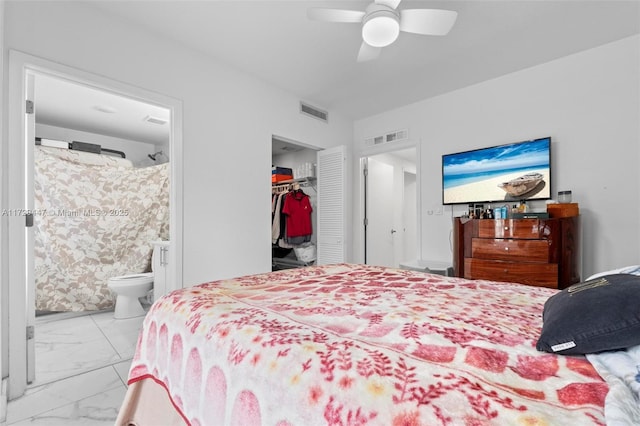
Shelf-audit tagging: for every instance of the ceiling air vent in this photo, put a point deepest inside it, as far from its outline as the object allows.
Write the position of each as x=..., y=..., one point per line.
x=398, y=135
x=155, y=120
x=314, y=112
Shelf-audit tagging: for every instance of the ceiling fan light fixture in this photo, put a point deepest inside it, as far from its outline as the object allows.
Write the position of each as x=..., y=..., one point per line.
x=381, y=28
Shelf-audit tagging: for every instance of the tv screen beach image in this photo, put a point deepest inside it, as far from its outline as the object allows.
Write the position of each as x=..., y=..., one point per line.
x=519, y=171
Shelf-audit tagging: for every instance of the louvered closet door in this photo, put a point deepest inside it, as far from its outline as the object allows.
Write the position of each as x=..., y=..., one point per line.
x=331, y=205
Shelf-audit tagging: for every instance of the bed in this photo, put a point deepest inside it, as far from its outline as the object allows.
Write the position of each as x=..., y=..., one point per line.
x=353, y=345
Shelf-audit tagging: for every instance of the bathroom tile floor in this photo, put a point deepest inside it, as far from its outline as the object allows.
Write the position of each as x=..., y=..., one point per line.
x=82, y=364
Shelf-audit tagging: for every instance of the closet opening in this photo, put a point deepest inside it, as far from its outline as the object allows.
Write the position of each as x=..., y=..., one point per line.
x=293, y=204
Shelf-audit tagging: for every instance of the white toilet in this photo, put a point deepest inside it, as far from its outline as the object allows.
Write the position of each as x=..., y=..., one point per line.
x=128, y=289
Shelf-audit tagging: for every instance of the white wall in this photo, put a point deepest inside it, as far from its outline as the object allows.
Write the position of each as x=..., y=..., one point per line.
x=228, y=121
x=589, y=103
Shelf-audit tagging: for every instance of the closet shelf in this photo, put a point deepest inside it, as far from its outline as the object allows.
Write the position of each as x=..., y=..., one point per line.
x=303, y=182
x=308, y=180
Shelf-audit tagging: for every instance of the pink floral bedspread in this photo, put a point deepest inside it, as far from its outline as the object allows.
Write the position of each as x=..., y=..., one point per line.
x=354, y=345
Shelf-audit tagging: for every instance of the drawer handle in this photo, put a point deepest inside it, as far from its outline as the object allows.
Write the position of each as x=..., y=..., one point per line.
x=506, y=228
x=506, y=248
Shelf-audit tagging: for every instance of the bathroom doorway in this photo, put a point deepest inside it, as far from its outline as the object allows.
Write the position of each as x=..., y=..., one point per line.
x=75, y=248
x=24, y=72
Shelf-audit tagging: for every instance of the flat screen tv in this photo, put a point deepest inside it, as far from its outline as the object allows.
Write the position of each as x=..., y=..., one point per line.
x=511, y=172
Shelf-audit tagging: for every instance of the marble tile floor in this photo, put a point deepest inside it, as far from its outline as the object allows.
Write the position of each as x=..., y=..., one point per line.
x=82, y=364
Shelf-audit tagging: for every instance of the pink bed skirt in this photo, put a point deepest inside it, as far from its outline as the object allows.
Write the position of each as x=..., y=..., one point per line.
x=147, y=403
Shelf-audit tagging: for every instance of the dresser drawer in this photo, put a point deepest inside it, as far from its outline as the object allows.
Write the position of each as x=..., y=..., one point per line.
x=538, y=274
x=509, y=228
x=513, y=250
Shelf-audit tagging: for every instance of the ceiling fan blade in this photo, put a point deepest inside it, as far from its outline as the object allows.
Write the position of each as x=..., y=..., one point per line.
x=393, y=4
x=427, y=21
x=368, y=53
x=335, y=15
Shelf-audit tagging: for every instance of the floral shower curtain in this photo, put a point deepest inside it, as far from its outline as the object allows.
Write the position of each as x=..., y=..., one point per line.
x=95, y=218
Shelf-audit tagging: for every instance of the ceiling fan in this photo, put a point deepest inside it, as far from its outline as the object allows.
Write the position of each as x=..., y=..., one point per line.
x=382, y=23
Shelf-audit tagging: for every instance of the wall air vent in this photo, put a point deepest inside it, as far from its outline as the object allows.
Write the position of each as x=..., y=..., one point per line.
x=398, y=135
x=314, y=112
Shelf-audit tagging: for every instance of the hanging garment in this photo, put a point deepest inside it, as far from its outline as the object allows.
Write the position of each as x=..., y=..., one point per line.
x=297, y=209
x=276, y=204
x=282, y=238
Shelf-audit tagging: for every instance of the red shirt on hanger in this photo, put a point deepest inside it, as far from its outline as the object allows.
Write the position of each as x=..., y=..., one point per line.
x=298, y=209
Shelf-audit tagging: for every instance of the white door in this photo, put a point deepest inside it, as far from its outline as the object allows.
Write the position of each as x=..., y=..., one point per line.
x=391, y=208
x=381, y=229
x=21, y=232
x=17, y=264
x=331, y=205
x=410, y=218
x=30, y=140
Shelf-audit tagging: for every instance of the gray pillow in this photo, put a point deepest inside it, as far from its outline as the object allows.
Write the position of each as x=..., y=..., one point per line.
x=601, y=314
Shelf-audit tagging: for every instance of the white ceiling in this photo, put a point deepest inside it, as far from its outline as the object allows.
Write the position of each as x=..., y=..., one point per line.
x=66, y=104
x=274, y=41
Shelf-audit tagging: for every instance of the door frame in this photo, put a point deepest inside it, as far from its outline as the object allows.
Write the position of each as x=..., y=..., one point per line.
x=20, y=66
x=360, y=228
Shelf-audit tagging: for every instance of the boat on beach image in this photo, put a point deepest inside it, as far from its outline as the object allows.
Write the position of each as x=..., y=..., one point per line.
x=522, y=184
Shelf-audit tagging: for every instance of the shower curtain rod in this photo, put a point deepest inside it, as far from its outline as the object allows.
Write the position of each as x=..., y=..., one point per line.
x=78, y=146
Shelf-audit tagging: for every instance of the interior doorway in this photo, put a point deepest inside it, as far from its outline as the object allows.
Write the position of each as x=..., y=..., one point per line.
x=298, y=159
x=390, y=208
x=102, y=140
x=24, y=70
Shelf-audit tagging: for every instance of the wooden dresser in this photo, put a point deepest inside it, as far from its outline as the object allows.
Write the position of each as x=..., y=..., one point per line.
x=540, y=252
